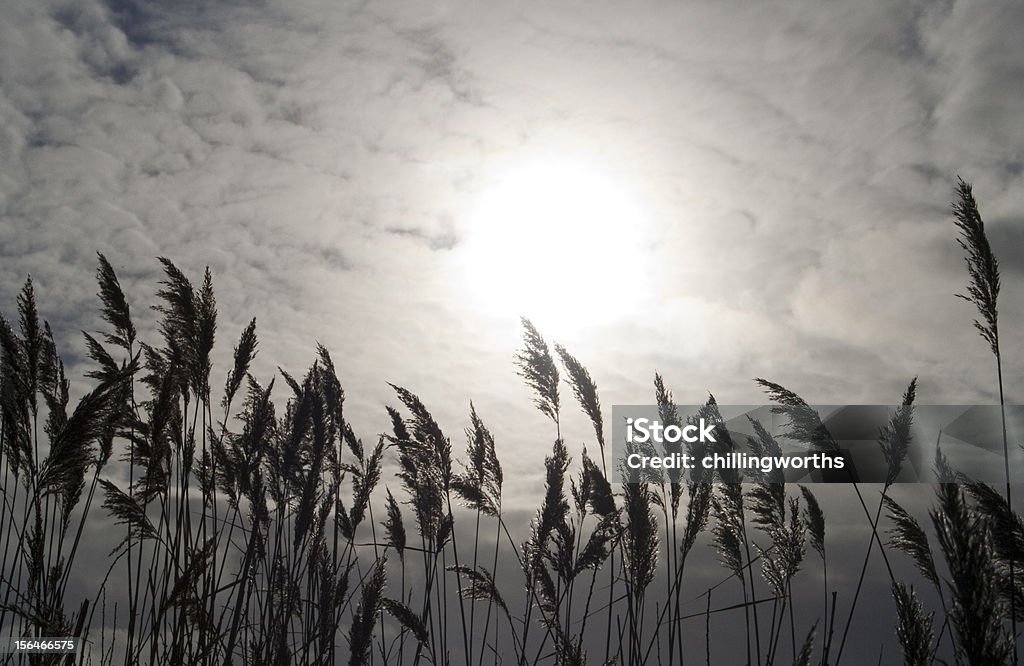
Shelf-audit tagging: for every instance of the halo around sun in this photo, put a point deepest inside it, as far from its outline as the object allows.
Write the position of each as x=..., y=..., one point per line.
x=557, y=241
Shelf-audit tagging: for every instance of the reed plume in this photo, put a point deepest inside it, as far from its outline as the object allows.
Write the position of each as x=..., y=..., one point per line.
x=538, y=370
x=585, y=391
x=983, y=293
x=913, y=628
x=977, y=609
x=909, y=537
x=250, y=538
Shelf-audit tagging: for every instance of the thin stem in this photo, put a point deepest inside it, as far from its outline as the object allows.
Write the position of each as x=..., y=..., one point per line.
x=1009, y=500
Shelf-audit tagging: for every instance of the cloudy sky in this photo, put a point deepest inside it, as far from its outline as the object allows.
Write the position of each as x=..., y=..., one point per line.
x=716, y=190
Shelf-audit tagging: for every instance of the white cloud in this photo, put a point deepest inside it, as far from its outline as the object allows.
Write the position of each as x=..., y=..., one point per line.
x=796, y=159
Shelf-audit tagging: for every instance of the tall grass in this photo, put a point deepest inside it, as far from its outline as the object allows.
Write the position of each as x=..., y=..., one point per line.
x=983, y=293
x=253, y=525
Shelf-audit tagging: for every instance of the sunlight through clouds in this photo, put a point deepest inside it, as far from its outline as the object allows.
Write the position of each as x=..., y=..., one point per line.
x=558, y=240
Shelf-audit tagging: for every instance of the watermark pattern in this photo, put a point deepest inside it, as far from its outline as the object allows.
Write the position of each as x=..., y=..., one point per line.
x=749, y=443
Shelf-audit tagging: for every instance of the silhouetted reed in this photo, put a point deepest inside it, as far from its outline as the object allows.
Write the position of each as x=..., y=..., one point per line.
x=249, y=537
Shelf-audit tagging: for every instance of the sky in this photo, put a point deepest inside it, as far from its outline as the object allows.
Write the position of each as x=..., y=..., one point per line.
x=713, y=190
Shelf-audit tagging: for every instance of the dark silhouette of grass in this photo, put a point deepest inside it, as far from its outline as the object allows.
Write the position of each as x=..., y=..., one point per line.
x=248, y=535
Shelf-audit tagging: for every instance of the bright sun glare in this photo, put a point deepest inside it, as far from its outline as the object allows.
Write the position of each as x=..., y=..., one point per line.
x=558, y=242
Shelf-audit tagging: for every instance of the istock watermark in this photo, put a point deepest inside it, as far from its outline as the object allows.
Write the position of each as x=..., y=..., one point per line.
x=810, y=444
x=643, y=430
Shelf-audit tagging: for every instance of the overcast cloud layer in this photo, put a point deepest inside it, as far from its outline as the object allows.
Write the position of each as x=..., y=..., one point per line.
x=797, y=160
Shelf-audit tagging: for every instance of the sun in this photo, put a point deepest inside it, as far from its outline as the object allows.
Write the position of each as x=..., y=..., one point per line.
x=558, y=241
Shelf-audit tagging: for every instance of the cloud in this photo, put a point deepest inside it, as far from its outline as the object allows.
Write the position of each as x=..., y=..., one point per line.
x=795, y=160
